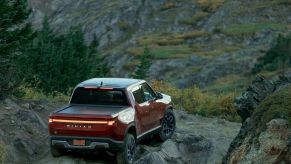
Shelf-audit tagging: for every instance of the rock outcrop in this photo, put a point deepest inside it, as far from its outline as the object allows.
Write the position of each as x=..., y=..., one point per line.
x=265, y=134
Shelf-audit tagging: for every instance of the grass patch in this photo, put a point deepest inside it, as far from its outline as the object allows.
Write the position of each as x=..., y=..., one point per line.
x=278, y=105
x=163, y=52
x=185, y=50
x=159, y=39
x=164, y=39
x=171, y=52
x=168, y=5
x=210, y=5
x=248, y=29
x=215, y=49
x=270, y=74
x=191, y=35
x=172, y=41
x=131, y=65
x=195, y=101
x=122, y=25
x=167, y=45
x=195, y=69
x=228, y=84
x=264, y=4
x=194, y=19
x=281, y=2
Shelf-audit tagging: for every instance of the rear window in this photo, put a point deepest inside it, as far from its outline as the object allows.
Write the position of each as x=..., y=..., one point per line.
x=98, y=97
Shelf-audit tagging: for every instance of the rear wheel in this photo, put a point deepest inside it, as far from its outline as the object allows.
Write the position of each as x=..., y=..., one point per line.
x=168, y=125
x=126, y=156
x=55, y=152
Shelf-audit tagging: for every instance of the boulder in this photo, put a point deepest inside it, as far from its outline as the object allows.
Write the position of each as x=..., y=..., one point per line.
x=153, y=157
x=265, y=133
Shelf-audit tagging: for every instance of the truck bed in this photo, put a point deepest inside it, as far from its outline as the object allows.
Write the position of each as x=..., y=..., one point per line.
x=91, y=110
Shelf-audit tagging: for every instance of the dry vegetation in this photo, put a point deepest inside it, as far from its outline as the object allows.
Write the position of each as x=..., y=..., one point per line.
x=28, y=93
x=195, y=101
x=210, y=5
x=194, y=18
x=168, y=5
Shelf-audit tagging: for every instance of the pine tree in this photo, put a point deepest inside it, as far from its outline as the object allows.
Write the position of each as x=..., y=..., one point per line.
x=56, y=63
x=142, y=70
x=14, y=34
x=278, y=57
x=99, y=67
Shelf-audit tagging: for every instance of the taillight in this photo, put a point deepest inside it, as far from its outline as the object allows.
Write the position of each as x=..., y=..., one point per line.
x=80, y=121
x=110, y=123
x=98, y=88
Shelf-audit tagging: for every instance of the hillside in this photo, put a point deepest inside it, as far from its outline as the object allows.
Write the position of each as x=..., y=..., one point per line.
x=195, y=42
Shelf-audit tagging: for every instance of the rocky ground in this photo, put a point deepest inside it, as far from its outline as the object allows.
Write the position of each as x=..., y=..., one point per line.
x=24, y=138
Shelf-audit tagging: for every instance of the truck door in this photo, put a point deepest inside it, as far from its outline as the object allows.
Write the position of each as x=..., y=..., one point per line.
x=142, y=108
x=155, y=108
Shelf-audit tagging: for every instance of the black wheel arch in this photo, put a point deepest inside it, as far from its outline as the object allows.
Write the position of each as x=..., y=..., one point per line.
x=169, y=107
x=132, y=130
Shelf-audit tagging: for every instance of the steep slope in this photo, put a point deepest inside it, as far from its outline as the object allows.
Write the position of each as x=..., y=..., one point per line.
x=193, y=42
x=265, y=134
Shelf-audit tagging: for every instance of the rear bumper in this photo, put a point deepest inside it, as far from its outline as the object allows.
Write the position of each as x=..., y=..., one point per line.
x=92, y=143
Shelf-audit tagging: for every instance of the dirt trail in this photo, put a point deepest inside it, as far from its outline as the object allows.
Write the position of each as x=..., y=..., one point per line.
x=23, y=134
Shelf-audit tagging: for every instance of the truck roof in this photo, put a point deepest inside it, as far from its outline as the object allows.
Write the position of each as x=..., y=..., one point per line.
x=109, y=82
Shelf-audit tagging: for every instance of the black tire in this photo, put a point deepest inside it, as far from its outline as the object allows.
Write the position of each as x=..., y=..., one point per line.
x=127, y=155
x=56, y=152
x=168, y=125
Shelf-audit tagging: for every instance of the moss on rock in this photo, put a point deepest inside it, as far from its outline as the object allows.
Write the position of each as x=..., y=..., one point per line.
x=278, y=105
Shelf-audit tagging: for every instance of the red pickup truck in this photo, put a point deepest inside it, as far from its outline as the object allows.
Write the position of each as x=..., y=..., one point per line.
x=111, y=114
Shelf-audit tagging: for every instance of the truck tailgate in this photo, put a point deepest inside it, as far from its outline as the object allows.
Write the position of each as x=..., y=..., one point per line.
x=79, y=120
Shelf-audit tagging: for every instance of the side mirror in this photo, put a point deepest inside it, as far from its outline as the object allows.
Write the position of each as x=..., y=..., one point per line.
x=159, y=95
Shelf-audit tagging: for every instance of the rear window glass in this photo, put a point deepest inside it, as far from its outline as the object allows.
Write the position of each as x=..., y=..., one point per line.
x=98, y=97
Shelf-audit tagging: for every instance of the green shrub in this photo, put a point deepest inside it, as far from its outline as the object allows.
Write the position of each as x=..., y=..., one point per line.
x=122, y=25
x=278, y=57
x=195, y=101
x=278, y=105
